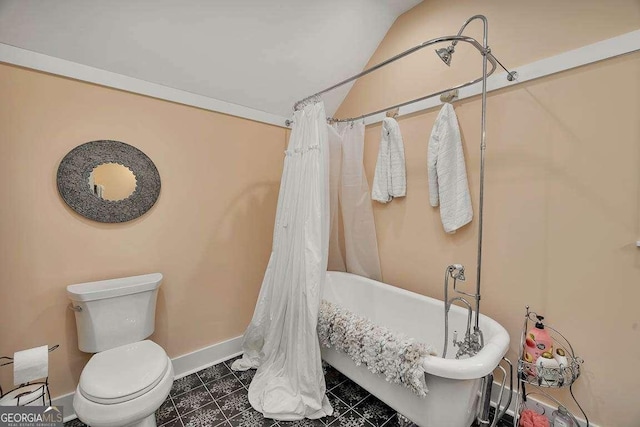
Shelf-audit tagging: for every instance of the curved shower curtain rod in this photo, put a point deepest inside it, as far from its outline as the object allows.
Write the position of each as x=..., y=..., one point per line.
x=484, y=50
x=445, y=56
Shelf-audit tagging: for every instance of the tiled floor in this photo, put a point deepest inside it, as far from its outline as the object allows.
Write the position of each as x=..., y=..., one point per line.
x=217, y=396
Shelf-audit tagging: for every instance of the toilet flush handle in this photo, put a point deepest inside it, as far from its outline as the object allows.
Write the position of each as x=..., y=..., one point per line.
x=75, y=308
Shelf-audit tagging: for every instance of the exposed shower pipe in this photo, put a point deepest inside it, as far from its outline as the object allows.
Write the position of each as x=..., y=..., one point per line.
x=483, y=147
x=446, y=55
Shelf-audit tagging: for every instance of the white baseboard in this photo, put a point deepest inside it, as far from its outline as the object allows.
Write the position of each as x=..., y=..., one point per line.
x=205, y=357
x=66, y=402
x=182, y=366
x=548, y=409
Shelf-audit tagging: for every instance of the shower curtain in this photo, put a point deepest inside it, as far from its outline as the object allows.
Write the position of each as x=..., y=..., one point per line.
x=281, y=340
x=349, y=186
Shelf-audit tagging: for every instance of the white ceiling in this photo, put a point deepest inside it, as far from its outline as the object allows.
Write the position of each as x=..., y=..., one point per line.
x=262, y=54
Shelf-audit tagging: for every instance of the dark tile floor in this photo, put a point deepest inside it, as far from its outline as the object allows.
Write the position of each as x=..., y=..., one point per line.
x=217, y=396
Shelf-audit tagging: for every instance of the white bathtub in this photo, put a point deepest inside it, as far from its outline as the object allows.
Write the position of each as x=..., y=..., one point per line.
x=453, y=384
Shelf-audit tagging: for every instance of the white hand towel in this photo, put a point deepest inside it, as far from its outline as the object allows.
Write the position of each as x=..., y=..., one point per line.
x=447, y=172
x=390, y=179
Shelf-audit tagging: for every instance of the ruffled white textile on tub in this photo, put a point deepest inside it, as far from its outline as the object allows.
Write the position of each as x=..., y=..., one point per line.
x=384, y=352
x=281, y=340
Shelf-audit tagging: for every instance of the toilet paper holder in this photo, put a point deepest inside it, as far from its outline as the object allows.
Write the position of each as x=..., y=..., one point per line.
x=27, y=393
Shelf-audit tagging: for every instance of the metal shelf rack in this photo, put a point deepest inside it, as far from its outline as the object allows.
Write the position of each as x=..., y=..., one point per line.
x=546, y=377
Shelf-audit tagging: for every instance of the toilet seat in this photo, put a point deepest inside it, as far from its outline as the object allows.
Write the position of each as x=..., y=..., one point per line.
x=138, y=412
x=123, y=373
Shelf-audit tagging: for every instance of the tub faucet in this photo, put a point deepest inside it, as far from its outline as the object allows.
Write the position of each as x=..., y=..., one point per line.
x=471, y=345
x=473, y=339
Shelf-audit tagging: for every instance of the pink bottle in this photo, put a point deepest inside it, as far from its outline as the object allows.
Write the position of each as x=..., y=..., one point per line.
x=537, y=342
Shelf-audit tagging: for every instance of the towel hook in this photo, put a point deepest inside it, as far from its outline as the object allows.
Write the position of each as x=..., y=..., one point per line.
x=393, y=113
x=449, y=96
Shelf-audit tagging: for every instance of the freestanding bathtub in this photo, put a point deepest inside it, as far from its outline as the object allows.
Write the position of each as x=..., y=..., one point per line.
x=453, y=384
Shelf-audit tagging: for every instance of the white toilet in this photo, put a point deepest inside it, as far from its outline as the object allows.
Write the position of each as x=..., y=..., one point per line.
x=129, y=377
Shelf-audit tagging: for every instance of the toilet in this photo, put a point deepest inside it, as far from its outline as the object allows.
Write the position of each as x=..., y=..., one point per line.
x=128, y=377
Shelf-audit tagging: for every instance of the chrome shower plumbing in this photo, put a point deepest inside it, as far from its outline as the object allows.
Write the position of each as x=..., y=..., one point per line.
x=473, y=339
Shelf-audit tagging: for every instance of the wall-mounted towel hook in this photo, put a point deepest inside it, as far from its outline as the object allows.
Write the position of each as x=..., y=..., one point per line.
x=393, y=113
x=449, y=96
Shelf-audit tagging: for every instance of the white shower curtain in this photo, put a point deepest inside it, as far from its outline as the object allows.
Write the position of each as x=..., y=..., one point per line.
x=281, y=340
x=359, y=230
x=336, y=260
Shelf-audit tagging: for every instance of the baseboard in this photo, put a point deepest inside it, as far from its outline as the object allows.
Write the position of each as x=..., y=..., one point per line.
x=205, y=357
x=182, y=366
x=66, y=402
x=548, y=409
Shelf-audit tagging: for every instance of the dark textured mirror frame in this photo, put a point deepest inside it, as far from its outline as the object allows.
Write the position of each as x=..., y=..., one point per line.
x=77, y=165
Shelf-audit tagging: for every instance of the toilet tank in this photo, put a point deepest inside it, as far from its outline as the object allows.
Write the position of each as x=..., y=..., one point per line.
x=115, y=312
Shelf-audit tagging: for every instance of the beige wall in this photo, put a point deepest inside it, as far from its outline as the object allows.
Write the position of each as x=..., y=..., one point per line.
x=519, y=32
x=209, y=232
x=562, y=205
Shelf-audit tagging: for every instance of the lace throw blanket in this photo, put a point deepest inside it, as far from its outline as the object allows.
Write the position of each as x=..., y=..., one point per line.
x=384, y=352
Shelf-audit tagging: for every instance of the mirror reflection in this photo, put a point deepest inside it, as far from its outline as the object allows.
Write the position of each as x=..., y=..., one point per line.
x=112, y=181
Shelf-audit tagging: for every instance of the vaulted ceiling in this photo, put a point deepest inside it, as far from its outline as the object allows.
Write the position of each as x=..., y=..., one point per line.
x=262, y=54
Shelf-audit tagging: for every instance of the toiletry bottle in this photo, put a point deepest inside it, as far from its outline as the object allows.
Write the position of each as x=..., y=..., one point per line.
x=561, y=357
x=561, y=418
x=537, y=341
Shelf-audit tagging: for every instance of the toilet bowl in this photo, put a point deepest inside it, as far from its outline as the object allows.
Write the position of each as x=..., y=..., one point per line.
x=129, y=377
x=124, y=386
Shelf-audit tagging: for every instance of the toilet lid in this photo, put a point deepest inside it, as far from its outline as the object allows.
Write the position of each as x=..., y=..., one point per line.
x=123, y=373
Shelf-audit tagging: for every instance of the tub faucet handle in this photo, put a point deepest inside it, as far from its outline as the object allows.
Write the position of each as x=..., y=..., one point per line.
x=457, y=271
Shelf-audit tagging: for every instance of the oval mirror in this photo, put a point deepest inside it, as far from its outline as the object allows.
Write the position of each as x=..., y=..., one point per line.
x=108, y=181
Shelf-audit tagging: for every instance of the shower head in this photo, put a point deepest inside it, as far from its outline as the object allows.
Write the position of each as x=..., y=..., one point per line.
x=445, y=54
